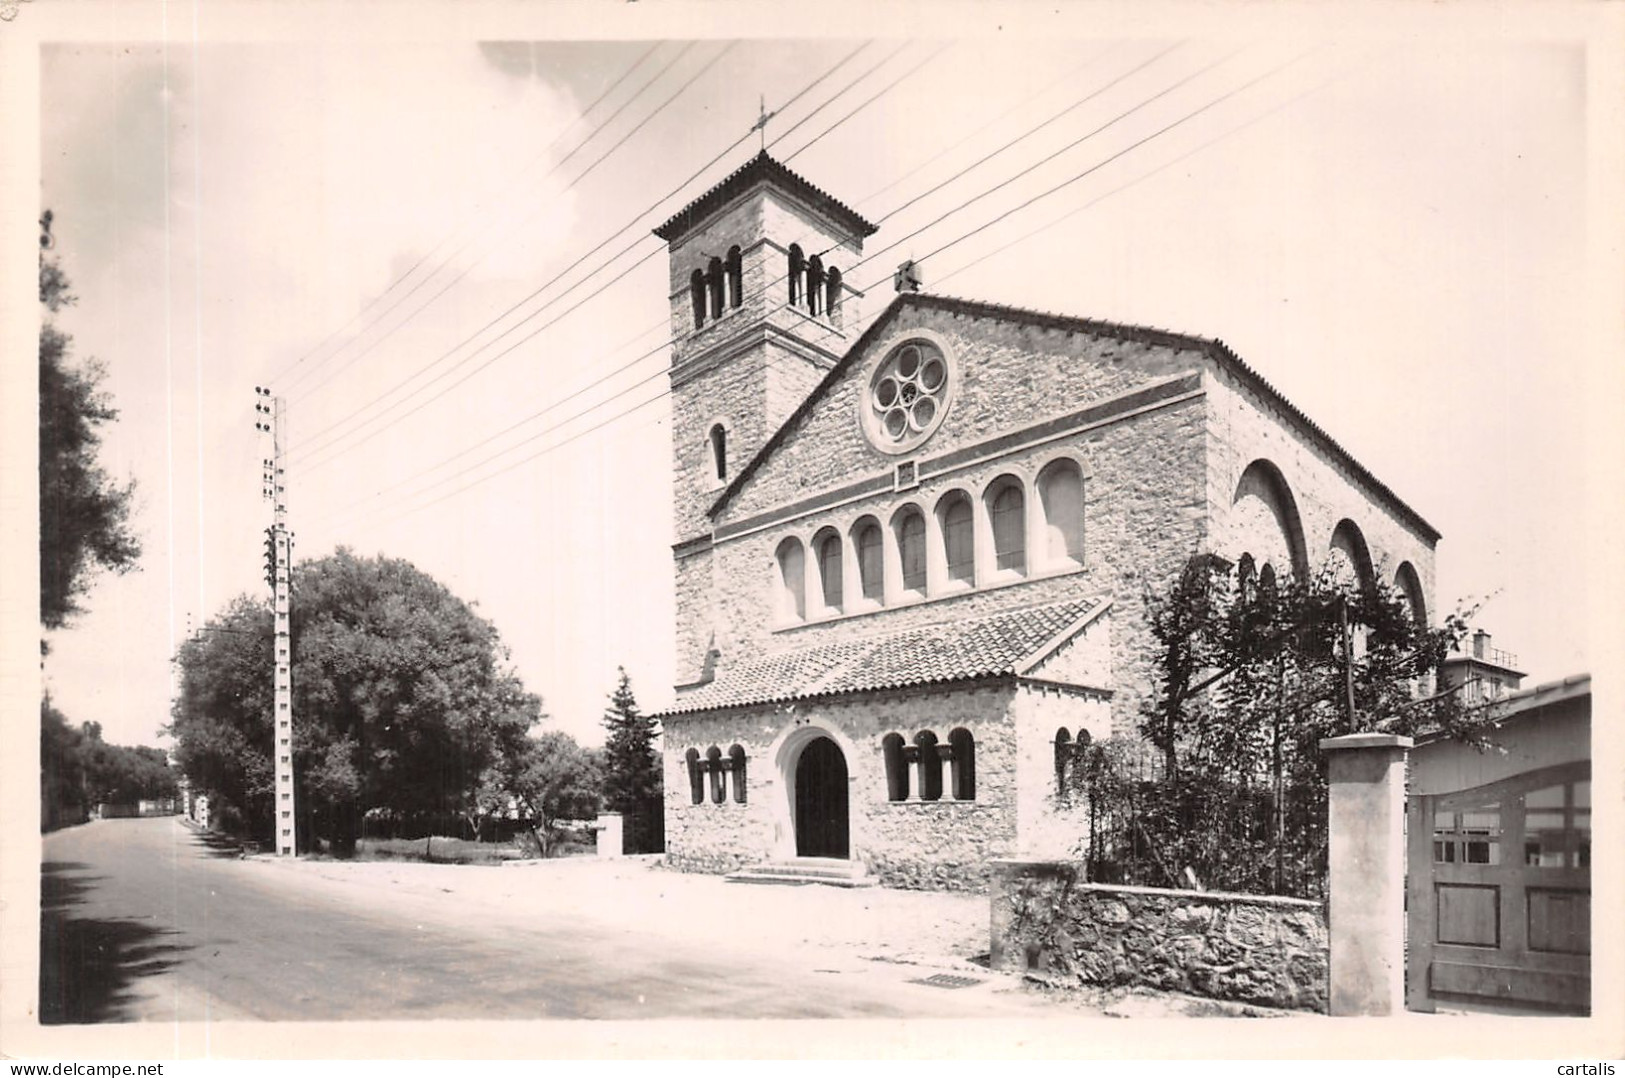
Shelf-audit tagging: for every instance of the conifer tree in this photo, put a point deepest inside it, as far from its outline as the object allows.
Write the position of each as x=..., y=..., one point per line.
x=631, y=764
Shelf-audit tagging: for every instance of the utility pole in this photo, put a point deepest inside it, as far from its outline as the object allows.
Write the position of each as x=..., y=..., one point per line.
x=270, y=411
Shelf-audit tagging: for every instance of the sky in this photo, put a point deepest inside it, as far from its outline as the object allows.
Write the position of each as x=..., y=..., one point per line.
x=436, y=248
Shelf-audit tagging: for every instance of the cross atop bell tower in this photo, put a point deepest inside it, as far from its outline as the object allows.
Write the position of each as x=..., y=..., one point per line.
x=761, y=122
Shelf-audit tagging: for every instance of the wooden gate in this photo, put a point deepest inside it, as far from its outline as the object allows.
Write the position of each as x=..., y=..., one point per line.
x=1498, y=893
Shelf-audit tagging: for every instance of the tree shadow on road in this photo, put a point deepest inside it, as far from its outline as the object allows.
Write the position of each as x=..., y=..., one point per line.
x=88, y=966
x=219, y=845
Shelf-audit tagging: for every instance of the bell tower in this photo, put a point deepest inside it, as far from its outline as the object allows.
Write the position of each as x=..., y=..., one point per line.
x=760, y=312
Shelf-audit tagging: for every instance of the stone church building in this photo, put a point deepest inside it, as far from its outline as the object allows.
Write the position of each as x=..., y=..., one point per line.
x=911, y=563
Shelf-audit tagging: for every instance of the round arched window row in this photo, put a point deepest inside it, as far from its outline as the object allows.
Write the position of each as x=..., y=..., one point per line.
x=930, y=768
x=716, y=776
x=717, y=288
x=893, y=559
x=812, y=285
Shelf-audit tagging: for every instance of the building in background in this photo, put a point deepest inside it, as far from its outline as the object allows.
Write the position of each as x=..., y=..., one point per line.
x=1499, y=862
x=1484, y=673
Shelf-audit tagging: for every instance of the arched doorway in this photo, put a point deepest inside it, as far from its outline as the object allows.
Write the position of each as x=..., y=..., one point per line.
x=821, y=803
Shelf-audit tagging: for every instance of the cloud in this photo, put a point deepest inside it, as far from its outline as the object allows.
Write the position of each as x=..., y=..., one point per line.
x=329, y=171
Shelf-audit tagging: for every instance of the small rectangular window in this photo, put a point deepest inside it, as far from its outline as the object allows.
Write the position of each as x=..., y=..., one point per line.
x=906, y=476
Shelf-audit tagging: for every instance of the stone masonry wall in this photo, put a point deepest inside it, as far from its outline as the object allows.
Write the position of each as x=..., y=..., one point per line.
x=1010, y=375
x=1144, y=511
x=1248, y=948
x=1049, y=823
x=936, y=845
x=1242, y=429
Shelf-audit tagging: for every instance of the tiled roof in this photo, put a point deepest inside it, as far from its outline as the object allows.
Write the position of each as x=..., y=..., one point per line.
x=1216, y=350
x=994, y=645
x=762, y=167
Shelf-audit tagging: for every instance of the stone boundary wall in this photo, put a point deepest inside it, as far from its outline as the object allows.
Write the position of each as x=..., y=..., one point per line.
x=1257, y=949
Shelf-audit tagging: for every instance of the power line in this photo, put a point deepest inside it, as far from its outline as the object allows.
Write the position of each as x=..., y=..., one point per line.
x=288, y=370
x=1147, y=175
x=765, y=289
x=1120, y=117
x=877, y=95
x=832, y=98
x=1023, y=103
x=532, y=295
x=528, y=217
x=446, y=355
x=1132, y=146
x=1079, y=103
x=644, y=381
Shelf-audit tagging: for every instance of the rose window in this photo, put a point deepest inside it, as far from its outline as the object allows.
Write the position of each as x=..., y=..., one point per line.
x=908, y=396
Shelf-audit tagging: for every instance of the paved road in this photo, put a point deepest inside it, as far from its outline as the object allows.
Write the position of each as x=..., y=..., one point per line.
x=142, y=920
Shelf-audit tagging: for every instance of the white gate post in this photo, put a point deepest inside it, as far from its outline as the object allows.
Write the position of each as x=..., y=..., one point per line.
x=610, y=834
x=1366, y=878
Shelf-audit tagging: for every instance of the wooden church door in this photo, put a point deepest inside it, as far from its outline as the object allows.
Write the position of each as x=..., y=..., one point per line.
x=821, y=801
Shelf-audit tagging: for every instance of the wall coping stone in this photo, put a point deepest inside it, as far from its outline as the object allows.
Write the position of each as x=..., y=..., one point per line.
x=1366, y=741
x=1169, y=892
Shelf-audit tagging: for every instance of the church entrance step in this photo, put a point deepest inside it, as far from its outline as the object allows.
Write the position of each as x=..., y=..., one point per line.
x=832, y=872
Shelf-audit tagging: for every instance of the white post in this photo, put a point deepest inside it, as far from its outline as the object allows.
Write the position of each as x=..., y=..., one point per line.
x=1366, y=876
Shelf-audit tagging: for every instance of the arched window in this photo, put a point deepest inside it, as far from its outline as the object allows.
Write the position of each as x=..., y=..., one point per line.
x=1246, y=577
x=964, y=747
x=719, y=450
x=832, y=300
x=1409, y=584
x=871, y=559
x=1008, y=510
x=1060, y=495
x=696, y=775
x=713, y=277
x=827, y=547
x=910, y=527
x=736, y=278
x=792, y=579
x=815, y=284
x=736, y=761
x=958, y=535
x=894, y=753
x=798, y=269
x=1266, y=582
x=713, y=764
x=1264, y=519
x=1063, y=760
x=696, y=290
x=930, y=766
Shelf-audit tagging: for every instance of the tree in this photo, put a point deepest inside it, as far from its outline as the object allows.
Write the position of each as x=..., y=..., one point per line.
x=1252, y=674
x=63, y=795
x=553, y=779
x=402, y=699
x=79, y=769
x=1244, y=664
x=84, y=514
x=633, y=785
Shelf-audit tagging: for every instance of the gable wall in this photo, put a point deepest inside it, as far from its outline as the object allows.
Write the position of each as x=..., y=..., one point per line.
x=1010, y=375
x=1243, y=427
x=1145, y=489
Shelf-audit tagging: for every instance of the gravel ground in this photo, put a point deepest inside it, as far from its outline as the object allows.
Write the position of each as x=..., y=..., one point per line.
x=873, y=922
x=836, y=927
